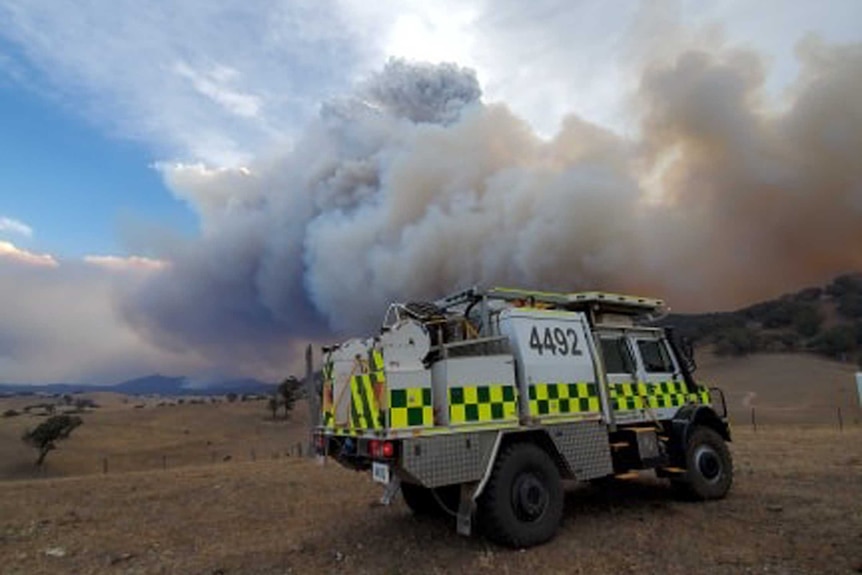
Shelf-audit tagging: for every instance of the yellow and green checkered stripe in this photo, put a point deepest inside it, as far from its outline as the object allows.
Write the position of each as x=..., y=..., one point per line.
x=482, y=403
x=410, y=407
x=553, y=399
x=626, y=396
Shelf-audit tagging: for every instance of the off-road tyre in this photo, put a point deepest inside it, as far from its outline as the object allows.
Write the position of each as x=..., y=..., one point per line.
x=425, y=502
x=709, y=467
x=522, y=504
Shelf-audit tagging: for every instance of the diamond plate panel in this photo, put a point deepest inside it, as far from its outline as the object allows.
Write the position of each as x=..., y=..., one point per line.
x=448, y=459
x=585, y=448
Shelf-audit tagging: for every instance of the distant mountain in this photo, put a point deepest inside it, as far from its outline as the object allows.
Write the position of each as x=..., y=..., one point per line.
x=156, y=384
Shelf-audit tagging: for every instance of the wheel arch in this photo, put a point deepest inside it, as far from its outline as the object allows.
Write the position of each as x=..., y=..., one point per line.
x=541, y=439
x=688, y=418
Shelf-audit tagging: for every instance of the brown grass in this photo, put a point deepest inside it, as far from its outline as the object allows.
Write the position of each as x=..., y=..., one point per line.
x=138, y=439
x=784, y=388
x=794, y=509
x=796, y=506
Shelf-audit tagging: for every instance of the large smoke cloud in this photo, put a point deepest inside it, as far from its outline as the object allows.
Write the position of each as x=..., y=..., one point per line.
x=414, y=187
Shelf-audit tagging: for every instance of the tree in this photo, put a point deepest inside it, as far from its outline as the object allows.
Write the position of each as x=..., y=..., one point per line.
x=807, y=320
x=288, y=390
x=836, y=341
x=49, y=432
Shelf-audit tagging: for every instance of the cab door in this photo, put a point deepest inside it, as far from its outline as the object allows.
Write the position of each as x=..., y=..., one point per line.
x=620, y=371
x=661, y=389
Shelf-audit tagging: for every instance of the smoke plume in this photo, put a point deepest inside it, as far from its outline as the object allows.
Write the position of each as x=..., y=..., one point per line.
x=414, y=187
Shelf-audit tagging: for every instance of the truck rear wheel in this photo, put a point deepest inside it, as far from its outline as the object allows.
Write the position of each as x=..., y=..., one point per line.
x=424, y=501
x=709, y=466
x=522, y=504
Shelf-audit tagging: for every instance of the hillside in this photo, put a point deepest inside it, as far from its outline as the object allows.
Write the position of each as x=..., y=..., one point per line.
x=824, y=320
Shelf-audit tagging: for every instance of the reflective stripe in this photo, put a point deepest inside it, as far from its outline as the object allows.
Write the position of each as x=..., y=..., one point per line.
x=551, y=399
x=327, y=402
x=482, y=403
x=410, y=407
x=376, y=361
x=364, y=409
x=627, y=396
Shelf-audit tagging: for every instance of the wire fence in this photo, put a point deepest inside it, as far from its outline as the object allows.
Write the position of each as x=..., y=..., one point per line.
x=758, y=416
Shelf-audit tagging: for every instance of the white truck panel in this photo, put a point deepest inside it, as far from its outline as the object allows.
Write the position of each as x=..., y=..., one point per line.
x=550, y=347
x=468, y=372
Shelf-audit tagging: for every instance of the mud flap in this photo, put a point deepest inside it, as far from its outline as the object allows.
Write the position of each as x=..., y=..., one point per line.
x=392, y=489
x=466, y=508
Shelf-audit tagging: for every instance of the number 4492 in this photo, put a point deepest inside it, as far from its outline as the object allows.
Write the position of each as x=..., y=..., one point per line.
x=556, y=341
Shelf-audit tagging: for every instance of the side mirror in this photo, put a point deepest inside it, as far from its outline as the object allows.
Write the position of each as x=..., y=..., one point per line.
x=686, y=349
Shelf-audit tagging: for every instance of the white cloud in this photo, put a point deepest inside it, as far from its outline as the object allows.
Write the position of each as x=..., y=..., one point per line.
x=215, y=85
x=128, y=263
x=13, y=226
x=11, y=253
x=225, y=81
x=248, y=76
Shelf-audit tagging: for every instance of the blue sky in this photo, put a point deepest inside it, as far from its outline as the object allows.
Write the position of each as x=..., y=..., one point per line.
x=157, y=158
x=75, y=185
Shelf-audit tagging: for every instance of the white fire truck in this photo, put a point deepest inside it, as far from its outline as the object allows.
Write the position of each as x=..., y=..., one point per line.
x=481, y=403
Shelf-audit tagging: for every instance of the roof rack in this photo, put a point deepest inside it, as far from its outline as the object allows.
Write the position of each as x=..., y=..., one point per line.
x=600, y=302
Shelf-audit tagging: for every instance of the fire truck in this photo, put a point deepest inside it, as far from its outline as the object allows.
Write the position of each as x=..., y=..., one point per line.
x=480, y=404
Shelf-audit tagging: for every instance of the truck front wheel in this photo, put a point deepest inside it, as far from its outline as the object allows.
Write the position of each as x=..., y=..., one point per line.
x=522, y=504
x=709, y=466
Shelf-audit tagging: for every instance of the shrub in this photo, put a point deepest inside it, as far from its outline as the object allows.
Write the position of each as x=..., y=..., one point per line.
x=837, y=341
x=736, y=341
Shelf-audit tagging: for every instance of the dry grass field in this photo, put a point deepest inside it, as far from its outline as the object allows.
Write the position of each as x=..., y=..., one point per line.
x=796, y=505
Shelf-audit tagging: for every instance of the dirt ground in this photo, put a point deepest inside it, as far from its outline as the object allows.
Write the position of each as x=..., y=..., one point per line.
x=794, y=508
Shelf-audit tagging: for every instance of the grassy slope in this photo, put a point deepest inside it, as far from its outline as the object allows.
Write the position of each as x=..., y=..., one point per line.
x=136, y=439
x=789, y=388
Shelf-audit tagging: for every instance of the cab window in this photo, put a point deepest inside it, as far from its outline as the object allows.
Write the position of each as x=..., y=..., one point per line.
x=655, y=357
x=618, y=358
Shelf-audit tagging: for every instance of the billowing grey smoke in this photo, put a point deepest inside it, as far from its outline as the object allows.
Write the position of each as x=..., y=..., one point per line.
x=414, y=188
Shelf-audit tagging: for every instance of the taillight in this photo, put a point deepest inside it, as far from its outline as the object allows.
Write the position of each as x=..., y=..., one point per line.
x=383, y=449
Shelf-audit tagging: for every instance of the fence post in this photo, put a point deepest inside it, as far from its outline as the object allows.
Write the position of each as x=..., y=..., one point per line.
x=753, y=420
x=840, y=421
